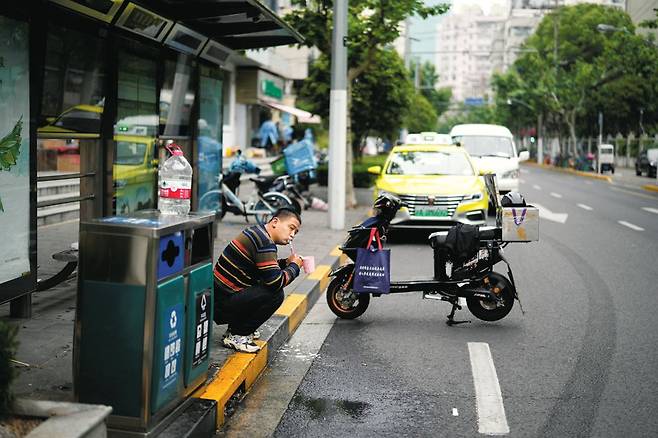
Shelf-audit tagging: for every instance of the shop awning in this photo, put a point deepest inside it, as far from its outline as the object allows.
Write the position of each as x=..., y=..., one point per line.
x=237, y=24
x=302, y=116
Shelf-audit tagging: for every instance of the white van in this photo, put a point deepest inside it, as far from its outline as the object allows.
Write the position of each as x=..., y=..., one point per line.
x=492, y=149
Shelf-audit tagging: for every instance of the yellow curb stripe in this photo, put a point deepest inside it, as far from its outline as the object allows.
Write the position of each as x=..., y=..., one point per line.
x=238, y=369
x=650, y=187
x=336, y=251
x=294, y=307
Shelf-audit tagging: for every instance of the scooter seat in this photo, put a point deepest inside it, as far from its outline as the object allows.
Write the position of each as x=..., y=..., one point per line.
x=263, y=182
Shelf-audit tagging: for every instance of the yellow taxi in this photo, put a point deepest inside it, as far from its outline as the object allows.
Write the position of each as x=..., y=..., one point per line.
x=437, y=182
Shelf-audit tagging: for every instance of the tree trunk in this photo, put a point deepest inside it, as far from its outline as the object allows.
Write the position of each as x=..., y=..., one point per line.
x=350, y=196
x=570, y=118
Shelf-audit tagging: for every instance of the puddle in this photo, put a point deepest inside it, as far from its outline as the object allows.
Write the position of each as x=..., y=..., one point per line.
x=325, y=407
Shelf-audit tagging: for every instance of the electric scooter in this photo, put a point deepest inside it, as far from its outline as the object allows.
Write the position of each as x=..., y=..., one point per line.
x=489, y=295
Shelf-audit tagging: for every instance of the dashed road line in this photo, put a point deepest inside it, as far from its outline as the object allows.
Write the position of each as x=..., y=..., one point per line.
x=631, y=226
x=455, y=412
x=631, y=192
x=536, y=187
x=585, y=207
x=650, y=210
x=488, y=397
x=556, y=195
x=589, y=183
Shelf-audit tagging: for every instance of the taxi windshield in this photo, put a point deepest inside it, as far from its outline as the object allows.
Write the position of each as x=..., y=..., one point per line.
x=429, y=163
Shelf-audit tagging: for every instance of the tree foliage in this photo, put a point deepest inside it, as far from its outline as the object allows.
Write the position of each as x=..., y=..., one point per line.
x=421, y=115
x=372, y=26
x=439, y=98
x=594, y=71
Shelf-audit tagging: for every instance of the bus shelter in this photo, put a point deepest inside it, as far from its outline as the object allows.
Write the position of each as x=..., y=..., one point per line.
x=92, y=91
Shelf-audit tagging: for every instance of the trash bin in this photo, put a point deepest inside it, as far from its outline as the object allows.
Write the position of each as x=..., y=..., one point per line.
x=144, y=312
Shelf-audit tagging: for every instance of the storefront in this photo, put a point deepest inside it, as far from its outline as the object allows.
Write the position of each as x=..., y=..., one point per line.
x=93, y=90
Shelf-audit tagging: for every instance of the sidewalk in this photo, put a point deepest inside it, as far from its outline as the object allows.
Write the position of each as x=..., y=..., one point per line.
x=623, y=176
x=45, y=340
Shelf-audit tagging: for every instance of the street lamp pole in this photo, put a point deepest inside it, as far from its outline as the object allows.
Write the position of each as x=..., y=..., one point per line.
x=338, y=118
x=540, y=139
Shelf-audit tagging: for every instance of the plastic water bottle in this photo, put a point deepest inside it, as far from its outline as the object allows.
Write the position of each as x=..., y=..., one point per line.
x=175, y=183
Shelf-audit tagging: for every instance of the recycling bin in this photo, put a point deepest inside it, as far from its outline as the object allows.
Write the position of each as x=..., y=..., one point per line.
x=144, y=315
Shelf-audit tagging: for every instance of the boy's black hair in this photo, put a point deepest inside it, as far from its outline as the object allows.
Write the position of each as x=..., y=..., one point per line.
x=287, y=212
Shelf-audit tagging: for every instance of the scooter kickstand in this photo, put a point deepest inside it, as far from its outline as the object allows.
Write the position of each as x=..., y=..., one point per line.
x=451, y=318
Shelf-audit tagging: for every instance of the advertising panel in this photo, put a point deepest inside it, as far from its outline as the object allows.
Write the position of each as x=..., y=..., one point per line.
x=14, y=150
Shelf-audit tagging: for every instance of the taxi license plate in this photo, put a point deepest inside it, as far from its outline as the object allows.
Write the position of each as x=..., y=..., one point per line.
x=431, y=212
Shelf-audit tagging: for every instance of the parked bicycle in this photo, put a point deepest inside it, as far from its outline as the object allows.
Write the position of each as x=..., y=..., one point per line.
x=260, y=204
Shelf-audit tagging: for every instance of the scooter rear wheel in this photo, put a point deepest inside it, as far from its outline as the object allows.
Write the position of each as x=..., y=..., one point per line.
x=347, y=304
x=488, y=310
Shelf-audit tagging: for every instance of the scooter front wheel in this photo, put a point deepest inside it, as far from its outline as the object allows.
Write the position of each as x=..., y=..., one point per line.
x=488, y=310
x=343, y=301
x=275, y=201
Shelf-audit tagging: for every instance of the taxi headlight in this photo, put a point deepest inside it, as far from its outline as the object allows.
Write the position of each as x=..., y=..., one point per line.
x=473, y=197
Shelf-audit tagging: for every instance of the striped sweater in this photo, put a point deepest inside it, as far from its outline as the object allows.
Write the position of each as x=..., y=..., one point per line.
x=250, y=259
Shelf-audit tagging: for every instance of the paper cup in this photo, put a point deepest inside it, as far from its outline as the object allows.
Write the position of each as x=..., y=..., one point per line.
x=308, y=263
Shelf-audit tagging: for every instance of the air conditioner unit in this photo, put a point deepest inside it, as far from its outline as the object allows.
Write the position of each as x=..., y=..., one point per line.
x=185, y=40
x=215, y=52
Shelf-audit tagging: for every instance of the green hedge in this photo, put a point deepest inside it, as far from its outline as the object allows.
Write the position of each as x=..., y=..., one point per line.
x=7, y=371
x=360, y=175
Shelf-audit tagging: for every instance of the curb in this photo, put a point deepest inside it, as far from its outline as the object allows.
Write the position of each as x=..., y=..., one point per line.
x=572, y=171
x=650, y=187
x=241, y=370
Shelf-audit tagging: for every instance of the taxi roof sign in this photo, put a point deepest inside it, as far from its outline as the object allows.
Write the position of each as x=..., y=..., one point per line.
x=428, y=138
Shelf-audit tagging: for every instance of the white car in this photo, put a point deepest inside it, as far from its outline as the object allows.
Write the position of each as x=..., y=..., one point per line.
x=492, y=149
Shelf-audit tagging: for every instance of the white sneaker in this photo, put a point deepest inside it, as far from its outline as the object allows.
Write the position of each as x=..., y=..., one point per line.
x=254, y=335
x=240, y=343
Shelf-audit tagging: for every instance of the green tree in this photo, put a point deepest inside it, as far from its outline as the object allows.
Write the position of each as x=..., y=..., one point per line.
x=421, y=115
x=471, y=114
x=593, y=71
x=381, y=96
x=439, y=98
x=372, y=25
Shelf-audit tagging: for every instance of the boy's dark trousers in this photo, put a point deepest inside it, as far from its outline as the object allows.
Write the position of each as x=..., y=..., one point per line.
x=246, y=310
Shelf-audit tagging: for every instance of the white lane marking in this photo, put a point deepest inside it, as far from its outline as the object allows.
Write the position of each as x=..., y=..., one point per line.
x=521, y=180
x=650, y=210
x=536, y=187
x=488, y=398
x=525, y=171
x=585, y=207
x=556, y=195
x=547, y=214
x=455, y=412
x=589, y=183
x=630, y=192
x=631, y=226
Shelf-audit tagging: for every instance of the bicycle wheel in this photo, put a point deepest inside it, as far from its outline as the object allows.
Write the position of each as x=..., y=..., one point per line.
x=274, y=201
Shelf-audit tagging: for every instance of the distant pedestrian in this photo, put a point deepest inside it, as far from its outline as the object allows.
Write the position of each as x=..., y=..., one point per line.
x=249, y=280
x=268, y=134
